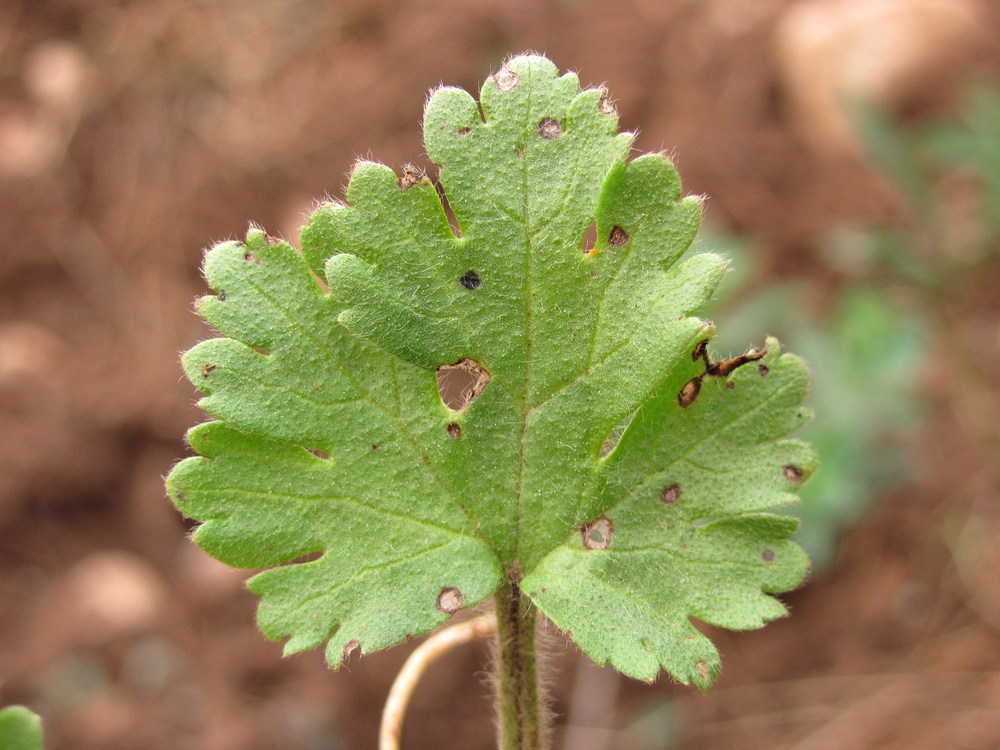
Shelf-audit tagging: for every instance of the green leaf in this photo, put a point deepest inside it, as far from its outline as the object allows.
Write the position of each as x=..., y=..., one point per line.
x=20, y=729
x=334, y=439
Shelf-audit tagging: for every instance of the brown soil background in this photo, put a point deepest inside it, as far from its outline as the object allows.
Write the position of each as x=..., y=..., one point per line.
x=134, y=134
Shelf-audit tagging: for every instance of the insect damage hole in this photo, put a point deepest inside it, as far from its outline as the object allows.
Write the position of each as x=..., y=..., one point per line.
x=597, y=533
x=450, y=600
x=454, y=430
x=460, y=384
x=549, y=129
x=589, y=243
x=470, y=280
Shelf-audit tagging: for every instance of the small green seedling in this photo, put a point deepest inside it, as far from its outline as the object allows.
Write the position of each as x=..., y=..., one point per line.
x=415, y=414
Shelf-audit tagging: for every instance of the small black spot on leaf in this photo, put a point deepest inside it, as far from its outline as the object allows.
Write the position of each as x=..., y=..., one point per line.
x=454, y=430
x=374, y=446
x=764, y=370
x=221, y=295
x=251, y=258
x=470, y=280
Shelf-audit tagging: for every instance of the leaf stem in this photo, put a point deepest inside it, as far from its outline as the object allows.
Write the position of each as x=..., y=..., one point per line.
x=520, y=720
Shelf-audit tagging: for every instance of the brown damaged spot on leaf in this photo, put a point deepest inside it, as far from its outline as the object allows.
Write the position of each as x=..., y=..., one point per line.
x=249, y=257
x=702, y=668
x=605, y=106
x=464, y=131
x=221, y=296
x=461, y=383
x=793, y=473
x=454, y=430
x=690, y=391
x=767, y=556
x=726, y=366
x=411, y=175
x=322, y=455
x=549, y=129
x=350, y=647
x=450, y=600
x=373, y=447
x=671, y=494
x=597, y=534
x=764, y=370
x=506, y=79
x=206, y=369
x=618, y=237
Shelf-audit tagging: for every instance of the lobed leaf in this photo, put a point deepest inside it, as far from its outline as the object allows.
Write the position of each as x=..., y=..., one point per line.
x=333, y=439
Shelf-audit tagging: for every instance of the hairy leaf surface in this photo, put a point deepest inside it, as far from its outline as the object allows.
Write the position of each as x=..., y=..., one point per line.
x=333, y=440
x=20, y=729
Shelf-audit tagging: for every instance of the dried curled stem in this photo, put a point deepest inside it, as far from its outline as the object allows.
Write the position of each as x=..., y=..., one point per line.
x=406, y=681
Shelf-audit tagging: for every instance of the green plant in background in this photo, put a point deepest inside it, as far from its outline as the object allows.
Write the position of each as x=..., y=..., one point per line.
x=20, y=729
x=947, y=170
x=430, y=426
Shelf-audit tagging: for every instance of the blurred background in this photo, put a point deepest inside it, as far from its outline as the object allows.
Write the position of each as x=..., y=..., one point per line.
x=850, y=150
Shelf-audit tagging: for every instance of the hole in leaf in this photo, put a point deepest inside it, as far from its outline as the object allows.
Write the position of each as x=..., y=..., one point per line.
x=506, y=79
x=690, y=391
x=206, y=369
x=464, y=131
x=597, y=533
x=319, y=454
x=767, y=556
x=730, y=385
x=461, y=383
x=618, y=237
x=549, y=129
x=764, y=370
x=450, y=600
x=589, y=244
x=470, y=280
x=793, y=473
x=221, y=296
x=249, y=257
x=410, y=175
x=262, y=351
x=374, y=447
x=454, y=430
x=671, y=494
